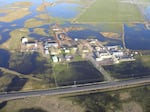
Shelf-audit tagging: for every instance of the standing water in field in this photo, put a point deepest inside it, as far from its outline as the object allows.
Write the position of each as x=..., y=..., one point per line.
x=137, y=37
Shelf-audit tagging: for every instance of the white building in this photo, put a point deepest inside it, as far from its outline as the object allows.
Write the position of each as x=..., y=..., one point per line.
x=68, y=57
x=118, y=53
x=85, y=49
x=102, y=56
x=112, y=47
x=31, y=44
x=24, y=40
x=67, y=51
x=98, y=48
x=46, y=51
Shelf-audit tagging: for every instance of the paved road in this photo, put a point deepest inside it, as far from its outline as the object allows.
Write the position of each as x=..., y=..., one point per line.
x=79, y=88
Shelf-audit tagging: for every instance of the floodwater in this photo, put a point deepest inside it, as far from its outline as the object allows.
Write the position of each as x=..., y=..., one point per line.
x=4, y=58
x=137, y=37
x=88, y=34
x=65, y=10
x=59, y=10
x=147, y=12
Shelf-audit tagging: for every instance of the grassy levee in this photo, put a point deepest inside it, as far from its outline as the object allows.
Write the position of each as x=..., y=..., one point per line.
x=18, y=74
x=111, y=11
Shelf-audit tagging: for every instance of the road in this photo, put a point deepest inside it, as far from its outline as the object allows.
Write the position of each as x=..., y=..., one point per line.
x=107, y=86
x=106, y=75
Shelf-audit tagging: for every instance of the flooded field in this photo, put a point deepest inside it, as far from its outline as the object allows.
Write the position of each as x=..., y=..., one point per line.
x=137, y=37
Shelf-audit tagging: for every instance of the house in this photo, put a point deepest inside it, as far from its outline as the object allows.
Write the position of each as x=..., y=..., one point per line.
x=100, y=56
x=74, y=50
x=49, y=44
x=92, y=41
x=46, y=51
x=31, y=44
x=55, y=59
x=67, y=51
x=85, y=49
x=68, y=57
x=98, y=48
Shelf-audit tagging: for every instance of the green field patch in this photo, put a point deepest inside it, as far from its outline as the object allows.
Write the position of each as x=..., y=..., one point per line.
x=76, y=72
x=111, y=11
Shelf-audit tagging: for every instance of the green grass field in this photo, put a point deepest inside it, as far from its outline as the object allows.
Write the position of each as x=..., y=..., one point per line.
x=111, y=11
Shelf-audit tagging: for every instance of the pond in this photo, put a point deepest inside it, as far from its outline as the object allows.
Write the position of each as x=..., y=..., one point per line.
x=16, y=84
